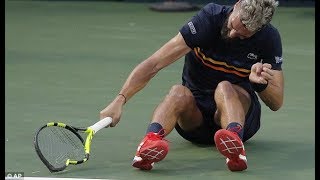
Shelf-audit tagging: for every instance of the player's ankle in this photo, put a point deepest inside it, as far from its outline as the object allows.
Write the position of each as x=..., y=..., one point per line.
x=236, y=128
x=156, y=128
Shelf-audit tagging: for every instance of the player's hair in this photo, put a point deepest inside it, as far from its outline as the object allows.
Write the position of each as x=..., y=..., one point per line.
x=254, y=14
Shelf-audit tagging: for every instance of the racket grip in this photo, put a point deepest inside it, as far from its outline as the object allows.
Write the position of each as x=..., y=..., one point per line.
x=101, y=124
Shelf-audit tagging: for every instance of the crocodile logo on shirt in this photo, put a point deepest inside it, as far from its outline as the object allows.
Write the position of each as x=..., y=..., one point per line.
x=252, y=56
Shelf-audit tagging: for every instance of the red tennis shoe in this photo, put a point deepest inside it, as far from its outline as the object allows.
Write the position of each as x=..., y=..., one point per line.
x=153, y=148
x=230, y=145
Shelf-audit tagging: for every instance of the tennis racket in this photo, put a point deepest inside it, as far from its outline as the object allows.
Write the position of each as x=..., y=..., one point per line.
x=59, y=145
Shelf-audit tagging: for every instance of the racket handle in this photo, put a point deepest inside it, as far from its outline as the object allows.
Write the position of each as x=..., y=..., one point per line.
x=101, y=124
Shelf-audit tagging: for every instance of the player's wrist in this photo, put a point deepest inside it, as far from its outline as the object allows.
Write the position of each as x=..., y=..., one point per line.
x=123, y=97
x=259, y=87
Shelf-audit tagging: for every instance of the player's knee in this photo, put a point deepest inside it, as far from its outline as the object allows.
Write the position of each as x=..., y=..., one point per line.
x=225, y=89
x=180, y=94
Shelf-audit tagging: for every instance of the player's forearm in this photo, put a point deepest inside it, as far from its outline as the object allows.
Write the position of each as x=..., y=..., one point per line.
x=138, y=78
x=145, y=71
x=272, y=96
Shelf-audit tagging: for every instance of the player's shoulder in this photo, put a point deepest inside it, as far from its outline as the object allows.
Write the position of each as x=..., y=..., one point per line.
x=216, y=9
x=269, y=33
x=270, y=30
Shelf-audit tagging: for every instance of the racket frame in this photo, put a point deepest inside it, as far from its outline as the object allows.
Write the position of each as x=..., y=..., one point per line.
x=90, y=131
x=75, y=131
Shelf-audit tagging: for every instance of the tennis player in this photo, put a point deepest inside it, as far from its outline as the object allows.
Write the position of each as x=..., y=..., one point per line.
x=233, y=56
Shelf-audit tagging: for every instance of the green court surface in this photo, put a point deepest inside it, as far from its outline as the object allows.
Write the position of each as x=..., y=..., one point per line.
x=66, y=60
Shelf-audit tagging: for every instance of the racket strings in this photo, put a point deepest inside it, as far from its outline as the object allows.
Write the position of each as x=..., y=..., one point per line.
x=67, y=138
x=58, y=145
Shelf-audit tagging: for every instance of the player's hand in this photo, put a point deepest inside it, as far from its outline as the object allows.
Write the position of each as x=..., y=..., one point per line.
x=114, y=110
x=261, y=73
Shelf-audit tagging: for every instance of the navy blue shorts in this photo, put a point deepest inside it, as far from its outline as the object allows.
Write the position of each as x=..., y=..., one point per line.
x=205, y=133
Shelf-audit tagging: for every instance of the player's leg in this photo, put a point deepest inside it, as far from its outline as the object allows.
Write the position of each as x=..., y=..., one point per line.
x=233, y=103
x=178, y=106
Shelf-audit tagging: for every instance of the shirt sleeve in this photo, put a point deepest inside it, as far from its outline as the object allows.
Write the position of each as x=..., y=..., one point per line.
x=200, y=30
x=273, y=51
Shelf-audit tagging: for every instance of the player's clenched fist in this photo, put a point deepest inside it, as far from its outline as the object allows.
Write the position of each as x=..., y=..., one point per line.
x=261, y=73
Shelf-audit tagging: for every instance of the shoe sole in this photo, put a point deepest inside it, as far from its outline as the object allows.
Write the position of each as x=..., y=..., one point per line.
x=227, y=144
x=155, y=152
x=231, y=147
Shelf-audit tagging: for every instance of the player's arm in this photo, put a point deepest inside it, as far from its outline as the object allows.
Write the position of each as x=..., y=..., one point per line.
x=268, y=71
x=272, y=96
x=143, y=72
x=171, y=51
x=264, y=75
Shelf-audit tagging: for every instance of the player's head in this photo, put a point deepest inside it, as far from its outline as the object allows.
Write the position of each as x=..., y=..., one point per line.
x=248, y=17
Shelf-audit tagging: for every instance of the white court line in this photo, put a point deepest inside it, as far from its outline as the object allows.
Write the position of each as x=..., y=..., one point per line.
x=48, y=178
